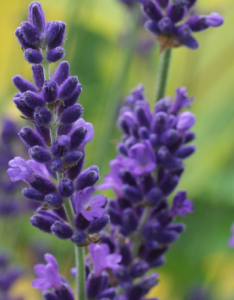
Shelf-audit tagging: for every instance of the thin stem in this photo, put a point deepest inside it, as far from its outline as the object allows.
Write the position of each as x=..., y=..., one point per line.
x=117, y=86
x=163, y=74
x=137, y=235
x=46, y=66
x=79, y=254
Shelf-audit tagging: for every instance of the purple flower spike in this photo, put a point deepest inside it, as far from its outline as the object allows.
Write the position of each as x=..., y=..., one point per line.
x=20, y=170
x=48, y=275
x=102, y=258
x=181, y=205
x=142, y=158
x=90, y=207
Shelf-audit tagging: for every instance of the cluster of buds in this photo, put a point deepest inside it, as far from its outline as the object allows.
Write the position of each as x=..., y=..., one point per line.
x=165, y=19
x=55, y=172
x=143, y=175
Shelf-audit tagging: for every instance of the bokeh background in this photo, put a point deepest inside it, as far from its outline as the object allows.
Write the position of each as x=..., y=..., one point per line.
x=98, y=47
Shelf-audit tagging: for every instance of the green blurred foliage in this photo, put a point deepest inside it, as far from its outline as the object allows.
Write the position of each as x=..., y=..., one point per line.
x=96, y=49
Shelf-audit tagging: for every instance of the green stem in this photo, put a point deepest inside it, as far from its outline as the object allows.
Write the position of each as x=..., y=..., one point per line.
x=137, y=235
x=46, y=66
x=163, y=74
x=79, y=252
x=116, y=89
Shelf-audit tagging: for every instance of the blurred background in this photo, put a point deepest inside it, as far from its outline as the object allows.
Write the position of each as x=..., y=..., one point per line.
x=98, y=47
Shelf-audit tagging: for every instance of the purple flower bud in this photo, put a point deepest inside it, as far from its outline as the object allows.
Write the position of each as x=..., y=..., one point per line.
x=72, y=157
x=214, y=20
x=61, y=230
x=66, y=187
x=62, y=72
x=166, y=26
x=50, y=296
x=167, y=161
x=33, y=99
x=80, y=222
x=73, y=172
x=154, y=140
x=142, y=116
x=65, y=293
x=74, y=97
x=115, y=216
x=53, y=199
x=131, y=193
x=178, y=228
x=60, y=145
x=125, y=252
x=153, y=10
x=55, y=34
x=23, y=107
x=33, y=194
x=49, y=91
x=152, y=26
x=189, y=137
x=42, y=222
x=122, y=149
x=139, y=269
x=36, y=16
x=183, y=34
x=30, y=137
x=43, y=185
x=33, y=56
x=169, y=137
x=39, y=154
x=93, y=285
x=143, y=133
x=38, y=75
x=22, y=84
x=55, y=54
x=77, y=137
x=31, y=33
x=56, y=164
x=186, y=121
x=127, y=177
x=21, y=39
x=159, y=122
x=130, y=219
x=163, y=105
x=87, y=178
x=177, y=10
x=68, y=87
x=42, y=116
x=64, y=130
x=71, y=114
x=78, y=237
x=98, y=225
x=169, y=184
x=52, y=29
x=44, y=132
x=154, y=196
x=186, y=151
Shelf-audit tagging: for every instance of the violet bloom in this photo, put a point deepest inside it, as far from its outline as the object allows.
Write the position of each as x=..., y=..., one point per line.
x=112, y=180
x=181, y=205
x=231, y=240
x=172, y=23
x=20, y=170
x=142, y=159
x=48, y=275
x=90, y=132
x=102, y=258
x=90, y=207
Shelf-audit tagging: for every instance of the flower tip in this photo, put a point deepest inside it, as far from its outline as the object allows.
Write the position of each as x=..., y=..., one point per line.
x=214, y=20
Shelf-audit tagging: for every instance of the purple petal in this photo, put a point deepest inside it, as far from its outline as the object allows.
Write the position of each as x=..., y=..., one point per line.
x=98, y=200
x=53, y=276
x=51, y=260
x=39, y=270
x=41, y=283
x=112, y=261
